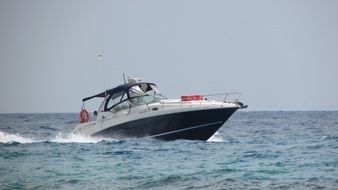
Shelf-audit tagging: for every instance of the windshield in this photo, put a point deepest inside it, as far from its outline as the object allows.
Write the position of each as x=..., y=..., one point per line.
x=140, y=94
x=136, y=91
x=144, y=94
x=154, y=91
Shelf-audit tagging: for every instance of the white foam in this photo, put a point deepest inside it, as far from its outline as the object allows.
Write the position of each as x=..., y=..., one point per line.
x=72, y=138
x=216, y=138
x=10, y=138
x=59, y=138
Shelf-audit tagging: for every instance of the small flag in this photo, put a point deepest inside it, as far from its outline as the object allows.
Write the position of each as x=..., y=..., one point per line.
x=99, y=55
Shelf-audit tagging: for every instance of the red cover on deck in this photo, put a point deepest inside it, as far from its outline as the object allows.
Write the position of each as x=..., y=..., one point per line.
x=192, y=98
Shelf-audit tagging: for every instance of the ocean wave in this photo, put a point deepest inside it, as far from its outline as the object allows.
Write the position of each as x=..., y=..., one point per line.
x=14, y=138
x=47, y=127
x=330, y=137
x=8, y=138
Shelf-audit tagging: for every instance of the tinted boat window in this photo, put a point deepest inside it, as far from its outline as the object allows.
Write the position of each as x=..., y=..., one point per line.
x=122, y=106
x=114, y=99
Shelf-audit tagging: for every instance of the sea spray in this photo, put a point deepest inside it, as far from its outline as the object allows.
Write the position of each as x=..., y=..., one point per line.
x=60, y=137
x=73, y=138
x=216, y=138
x=11, y=138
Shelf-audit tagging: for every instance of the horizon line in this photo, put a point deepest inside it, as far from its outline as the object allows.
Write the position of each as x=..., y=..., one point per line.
x=238, y=111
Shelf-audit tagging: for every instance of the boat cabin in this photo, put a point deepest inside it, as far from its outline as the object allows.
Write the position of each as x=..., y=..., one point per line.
x=127, y=96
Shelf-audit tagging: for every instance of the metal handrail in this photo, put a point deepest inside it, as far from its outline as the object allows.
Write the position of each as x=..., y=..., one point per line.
x=225, y=95
x=225, y=99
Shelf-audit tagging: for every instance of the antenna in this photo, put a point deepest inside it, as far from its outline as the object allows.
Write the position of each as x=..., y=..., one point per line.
x=124, y=78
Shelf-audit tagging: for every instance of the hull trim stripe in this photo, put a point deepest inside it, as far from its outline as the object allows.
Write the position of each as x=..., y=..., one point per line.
x=186, y=129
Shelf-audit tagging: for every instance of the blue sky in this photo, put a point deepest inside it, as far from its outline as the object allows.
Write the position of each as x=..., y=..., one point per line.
x=282, y=55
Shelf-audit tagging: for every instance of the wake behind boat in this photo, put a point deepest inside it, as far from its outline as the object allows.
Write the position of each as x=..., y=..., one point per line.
x=137, y=109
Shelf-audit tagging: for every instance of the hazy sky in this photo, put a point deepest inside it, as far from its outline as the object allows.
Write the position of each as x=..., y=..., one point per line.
x=282, y=54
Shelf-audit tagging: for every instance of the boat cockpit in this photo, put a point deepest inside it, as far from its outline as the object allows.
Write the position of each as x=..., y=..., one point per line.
x=128, y=96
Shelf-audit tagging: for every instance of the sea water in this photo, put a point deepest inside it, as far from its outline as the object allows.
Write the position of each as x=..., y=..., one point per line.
x=253, y=150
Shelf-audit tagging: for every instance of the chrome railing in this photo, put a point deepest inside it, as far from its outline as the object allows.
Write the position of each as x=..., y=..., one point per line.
x=226, y=97
x=223, y=97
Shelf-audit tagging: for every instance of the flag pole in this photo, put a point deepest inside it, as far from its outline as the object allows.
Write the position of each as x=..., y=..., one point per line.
x=100, y=57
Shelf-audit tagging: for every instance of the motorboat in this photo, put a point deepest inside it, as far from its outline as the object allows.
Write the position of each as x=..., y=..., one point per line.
x=137, y=109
